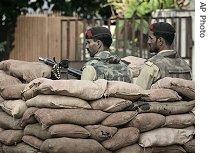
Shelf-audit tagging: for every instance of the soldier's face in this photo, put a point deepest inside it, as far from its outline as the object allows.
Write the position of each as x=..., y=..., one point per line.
x=92, y=47
x=152, y=43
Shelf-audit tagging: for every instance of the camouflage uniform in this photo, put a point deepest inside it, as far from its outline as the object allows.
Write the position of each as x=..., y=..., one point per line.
x=165, y=64
x=106, y=66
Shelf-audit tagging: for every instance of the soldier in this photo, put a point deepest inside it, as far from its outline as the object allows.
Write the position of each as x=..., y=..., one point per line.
x=166, y=62
x=103, y=65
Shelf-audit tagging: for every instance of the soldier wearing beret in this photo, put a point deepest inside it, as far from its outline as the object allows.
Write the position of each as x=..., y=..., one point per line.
x=103, y=65
x=166, y=62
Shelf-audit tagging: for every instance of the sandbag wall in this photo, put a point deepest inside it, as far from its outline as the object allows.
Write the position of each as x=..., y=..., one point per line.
x=97, y=116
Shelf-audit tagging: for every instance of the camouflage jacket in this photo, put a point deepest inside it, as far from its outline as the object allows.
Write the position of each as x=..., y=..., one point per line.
x=110, y=67
x=171, y=65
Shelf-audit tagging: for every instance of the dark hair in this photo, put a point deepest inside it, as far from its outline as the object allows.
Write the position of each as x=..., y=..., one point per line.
x=164, y=30
x=105, y=39
x=169, y=37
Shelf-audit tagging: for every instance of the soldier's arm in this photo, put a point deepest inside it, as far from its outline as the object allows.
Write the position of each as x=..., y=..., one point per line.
x=149, y=74
x=88, y=73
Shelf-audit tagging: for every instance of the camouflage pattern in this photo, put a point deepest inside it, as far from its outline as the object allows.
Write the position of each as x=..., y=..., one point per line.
x=171, y=65
x=110, y=67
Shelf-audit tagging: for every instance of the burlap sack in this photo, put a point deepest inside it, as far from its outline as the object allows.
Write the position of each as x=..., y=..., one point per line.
x=68, y=130
x=12, y=91
x=185, y=88
x=135, y=148
x=19, y=148
x=15, y=108
x=37, y=131
x=169, y=149
x=26, y=71
x=48, y=117
x=101, y=132
x=164, y=108
x=180, y=120
x=161, y=95
x=83, y=89
x=32, y=141
x=11, y=137
x=8, y=122
x=147, y=121
x=57, y=101
x=190, y=146
x=135, y=64
x=119, y=118
x=124, y=137
x=166, y=136
x=69, y=145
x=28, y=116
x=124, y=90
x=110, y=104
x=6, y=80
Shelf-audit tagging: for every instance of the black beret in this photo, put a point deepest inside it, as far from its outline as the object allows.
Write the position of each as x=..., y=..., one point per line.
x=162, y=27
x=97, y=31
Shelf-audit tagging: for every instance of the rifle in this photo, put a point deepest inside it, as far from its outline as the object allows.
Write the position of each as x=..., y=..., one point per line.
x=57, y=66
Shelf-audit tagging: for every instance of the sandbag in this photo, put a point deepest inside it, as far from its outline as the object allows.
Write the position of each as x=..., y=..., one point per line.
x=19, y=148
x=180, y=120
x=119, y=118
x=124, y=137
x=26, y=71
x=147, y=121
x=37, y=131
x=164, y=108
x=32, y=141
x=190, y=146
x=70, y=145
x=28, y=116
x=15, y=108
x=166, y=136
x=11, y=137
x=57, y=101
x=8, y=122
x=110, y=104
x=160, y=95
x=124, y=90
x=101, y=132
x=169, y=149
x=68, y=130
x=185, y=88
x=135, y=148
x=7, y=80
x=135, y=64
x=12, y=91
x=83, y=89
x=48, y=117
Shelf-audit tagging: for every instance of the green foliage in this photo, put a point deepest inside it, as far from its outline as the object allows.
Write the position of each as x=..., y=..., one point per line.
x=141, y=8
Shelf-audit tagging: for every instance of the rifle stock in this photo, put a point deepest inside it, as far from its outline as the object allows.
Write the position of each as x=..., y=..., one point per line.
x=71, y=71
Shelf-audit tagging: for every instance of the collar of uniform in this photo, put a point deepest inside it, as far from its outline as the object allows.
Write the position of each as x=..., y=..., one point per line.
x=169, y=50
x=167, y=53
x=102, y=55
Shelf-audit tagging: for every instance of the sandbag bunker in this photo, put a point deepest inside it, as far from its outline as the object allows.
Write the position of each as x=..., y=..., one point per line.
x=38, y=114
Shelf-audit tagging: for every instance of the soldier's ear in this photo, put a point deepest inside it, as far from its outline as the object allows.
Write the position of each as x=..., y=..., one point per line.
x=99, y=43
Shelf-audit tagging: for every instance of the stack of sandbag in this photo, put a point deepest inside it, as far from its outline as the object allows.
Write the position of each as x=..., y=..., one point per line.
x=166, y=117
x=99, y=116
x=80, y=116
x=14, y=76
